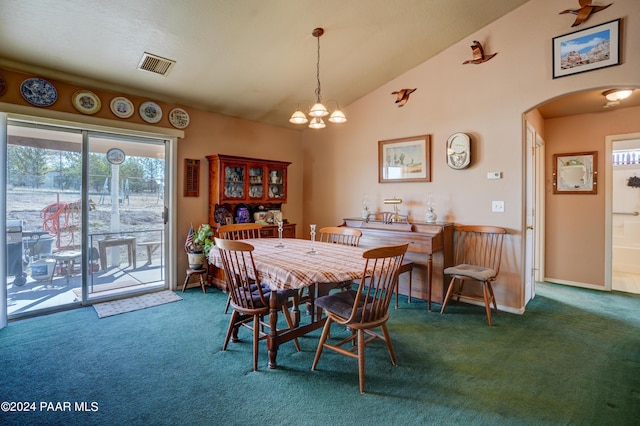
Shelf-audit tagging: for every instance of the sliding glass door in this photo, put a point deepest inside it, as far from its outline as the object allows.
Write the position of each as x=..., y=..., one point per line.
x=126, y=226
x=44, y=218
x=84, y=217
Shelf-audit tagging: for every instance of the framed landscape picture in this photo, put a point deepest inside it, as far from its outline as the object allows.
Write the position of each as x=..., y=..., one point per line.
x=405, y=160
x=587, y=50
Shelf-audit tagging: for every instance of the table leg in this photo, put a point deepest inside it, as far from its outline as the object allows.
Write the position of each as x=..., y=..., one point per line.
x=429, y=279
x=272, y=338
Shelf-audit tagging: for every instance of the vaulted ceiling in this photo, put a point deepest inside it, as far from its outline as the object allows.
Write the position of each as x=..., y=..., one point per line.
x=251, y=59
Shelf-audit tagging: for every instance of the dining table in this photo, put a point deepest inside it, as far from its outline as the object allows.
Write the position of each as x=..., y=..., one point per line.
x=296, y=264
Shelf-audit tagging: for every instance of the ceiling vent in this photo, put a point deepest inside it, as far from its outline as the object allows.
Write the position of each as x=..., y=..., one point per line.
x=155, y=64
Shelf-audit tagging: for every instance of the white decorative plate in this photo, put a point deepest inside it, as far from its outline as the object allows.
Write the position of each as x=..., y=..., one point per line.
x=38, y=92
x=179, y=118
x=122, y=107
x=150, y=112
x=86, y=102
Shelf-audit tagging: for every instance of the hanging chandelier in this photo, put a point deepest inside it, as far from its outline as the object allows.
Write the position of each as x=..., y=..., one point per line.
x=318, y=110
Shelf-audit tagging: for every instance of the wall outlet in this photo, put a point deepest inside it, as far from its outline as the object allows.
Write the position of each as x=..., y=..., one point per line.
x=494, y=175
x=497, y=206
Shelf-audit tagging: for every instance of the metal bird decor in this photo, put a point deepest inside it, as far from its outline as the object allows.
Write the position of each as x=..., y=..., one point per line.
x=586, y=9
x=403, y=96
x=478, y=54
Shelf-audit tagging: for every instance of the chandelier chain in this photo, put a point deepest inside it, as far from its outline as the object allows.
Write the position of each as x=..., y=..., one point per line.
x=318, y=93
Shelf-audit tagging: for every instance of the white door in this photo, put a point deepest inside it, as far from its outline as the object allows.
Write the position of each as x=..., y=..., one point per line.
x=534, y=222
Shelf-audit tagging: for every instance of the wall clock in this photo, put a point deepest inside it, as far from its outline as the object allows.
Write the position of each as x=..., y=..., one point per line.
x=459, y=151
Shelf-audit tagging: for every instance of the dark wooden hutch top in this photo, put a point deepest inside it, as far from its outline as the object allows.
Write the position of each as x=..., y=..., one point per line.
x=242, y=181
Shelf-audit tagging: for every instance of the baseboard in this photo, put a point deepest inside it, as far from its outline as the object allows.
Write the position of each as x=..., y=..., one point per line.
x=575, y=284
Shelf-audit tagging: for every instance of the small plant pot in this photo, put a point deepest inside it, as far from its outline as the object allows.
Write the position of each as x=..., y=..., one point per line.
x=196, y=260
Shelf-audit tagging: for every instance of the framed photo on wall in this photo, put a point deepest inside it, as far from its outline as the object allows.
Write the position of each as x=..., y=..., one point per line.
x=575, y=173
x=405, y=160
x=587, y=50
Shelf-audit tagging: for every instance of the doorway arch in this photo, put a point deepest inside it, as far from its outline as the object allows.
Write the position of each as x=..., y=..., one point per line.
x=546, y=118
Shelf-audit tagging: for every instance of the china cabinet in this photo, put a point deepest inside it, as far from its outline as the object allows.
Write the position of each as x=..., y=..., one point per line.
x=238, y=185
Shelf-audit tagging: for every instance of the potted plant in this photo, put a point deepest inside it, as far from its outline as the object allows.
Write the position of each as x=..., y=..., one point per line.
x=198, y=245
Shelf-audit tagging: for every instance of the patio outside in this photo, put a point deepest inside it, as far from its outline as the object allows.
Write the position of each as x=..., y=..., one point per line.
x=44, y=268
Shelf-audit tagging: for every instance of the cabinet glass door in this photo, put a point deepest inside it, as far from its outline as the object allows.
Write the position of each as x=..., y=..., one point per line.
x=256, y=182
x=234, y=181
x=277, y=189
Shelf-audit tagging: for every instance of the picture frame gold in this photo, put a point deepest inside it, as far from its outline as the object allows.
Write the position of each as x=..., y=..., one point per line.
x=575, y=173
x=405, y=159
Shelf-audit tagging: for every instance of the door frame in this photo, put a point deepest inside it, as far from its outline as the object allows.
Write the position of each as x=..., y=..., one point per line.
x=608, y=203
x=71, y=120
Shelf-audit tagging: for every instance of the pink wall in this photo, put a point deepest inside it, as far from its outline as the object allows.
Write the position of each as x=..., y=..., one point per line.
x=575, y=224
x=206, y=134
x=334, y=167
x=488, y=102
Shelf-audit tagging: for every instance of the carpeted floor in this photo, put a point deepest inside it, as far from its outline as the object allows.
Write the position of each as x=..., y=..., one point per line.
x=107, y=309
x=572, y=359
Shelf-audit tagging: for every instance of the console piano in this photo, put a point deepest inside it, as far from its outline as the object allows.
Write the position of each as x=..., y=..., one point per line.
x=430, y=249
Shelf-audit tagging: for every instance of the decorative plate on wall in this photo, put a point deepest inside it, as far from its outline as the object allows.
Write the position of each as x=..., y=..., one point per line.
x=38, y=92
x=86, y=102
x=179, y=118
x=150, y=112
x=3, y=86
x=122, y=107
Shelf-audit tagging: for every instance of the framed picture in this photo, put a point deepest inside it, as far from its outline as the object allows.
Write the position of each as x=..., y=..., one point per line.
x=405, y=160
x=575, y=173
x=587, y=50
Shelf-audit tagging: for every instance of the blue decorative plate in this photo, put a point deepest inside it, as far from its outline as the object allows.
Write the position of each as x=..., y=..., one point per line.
x=38, y=92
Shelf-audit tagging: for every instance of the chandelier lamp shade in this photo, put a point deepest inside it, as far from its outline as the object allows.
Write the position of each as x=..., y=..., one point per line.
x=314, y=114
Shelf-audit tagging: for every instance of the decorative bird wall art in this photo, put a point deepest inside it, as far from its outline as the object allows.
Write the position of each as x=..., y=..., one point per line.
x=478, y=54
x=586, y=9
x=403, y=96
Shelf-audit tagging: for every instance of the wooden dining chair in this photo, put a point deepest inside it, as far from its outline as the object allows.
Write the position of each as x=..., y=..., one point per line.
x=249, y=297
x=388, y=217
x=478, y=250
x=337, y=235
x=238, y=231
x=364, y=309
x=340, y=235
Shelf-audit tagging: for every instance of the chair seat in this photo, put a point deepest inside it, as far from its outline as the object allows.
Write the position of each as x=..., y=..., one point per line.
x=472, y=271
x=266, y=291
x=341, y=304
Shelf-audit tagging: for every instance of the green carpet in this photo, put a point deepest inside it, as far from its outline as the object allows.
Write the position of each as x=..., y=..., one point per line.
x=572, y=359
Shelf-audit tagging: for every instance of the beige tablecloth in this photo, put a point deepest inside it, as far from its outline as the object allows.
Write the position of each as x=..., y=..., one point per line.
x=292, y=266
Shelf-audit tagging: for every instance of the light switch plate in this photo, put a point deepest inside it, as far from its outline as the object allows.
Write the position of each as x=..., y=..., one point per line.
x=494, y=175
x=497, y=206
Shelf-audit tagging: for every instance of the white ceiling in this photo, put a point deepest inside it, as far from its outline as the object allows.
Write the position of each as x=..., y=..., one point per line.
x=252, y=59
